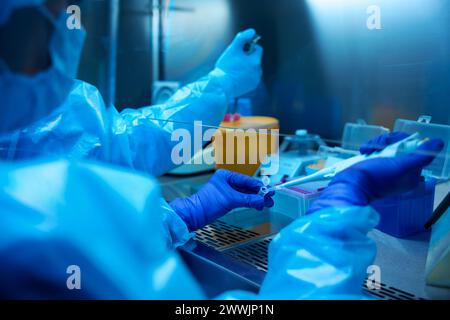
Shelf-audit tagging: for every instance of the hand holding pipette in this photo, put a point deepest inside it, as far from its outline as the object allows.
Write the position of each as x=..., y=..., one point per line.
x=378, y=177
x=402, y=147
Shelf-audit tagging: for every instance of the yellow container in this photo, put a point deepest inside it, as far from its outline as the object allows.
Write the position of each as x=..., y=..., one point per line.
x=243, y=145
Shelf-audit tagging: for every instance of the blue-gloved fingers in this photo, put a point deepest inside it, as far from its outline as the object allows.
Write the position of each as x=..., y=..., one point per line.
x=268, y=202
x=239, y=72
x=258, y=53
x=245, y=184
x=243, y=37
x=258, y=202
x=424, y=155
x=381, y=142
x=254, y=201
x=376, y=178
x=224, y=192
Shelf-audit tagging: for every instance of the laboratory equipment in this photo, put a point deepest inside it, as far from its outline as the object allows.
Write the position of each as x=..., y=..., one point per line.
x=440, y=167
x=438, y=260
x=266, y=182
x=234, y=251
x=439, y=212
x=295, y=154
x=238, y=107
x=405, y=215
x=302, y=142
x=294, y=202
x=250, y=46
x=356, y=134
x=331, y=156
x=162, y=91
x=382, y=178
x=405, y=146
x=243, y=145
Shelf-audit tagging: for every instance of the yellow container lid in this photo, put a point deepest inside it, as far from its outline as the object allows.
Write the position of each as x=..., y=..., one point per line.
x=253, y=123
x=221, y=147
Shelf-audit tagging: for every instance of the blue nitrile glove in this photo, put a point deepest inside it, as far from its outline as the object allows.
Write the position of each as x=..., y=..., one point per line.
x=373, y=179
x=381, y=142
x=239, y=72
x=224, y=192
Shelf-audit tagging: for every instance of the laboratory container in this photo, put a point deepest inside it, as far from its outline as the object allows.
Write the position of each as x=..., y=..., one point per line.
x=440, y=167
x=406, y=214
x=357, y=134
x=242, y=146
x=295, y=201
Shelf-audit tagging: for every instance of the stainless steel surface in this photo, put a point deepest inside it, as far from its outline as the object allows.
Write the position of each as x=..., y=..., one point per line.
x=111, y=74
x=220, y=235
x=254, y=253
x=402, y=263
x=218, y=273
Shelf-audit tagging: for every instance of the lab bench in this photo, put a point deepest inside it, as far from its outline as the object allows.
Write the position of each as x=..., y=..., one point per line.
x=232, y=253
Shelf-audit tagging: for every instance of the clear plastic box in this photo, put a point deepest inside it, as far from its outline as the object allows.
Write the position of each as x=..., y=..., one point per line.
x=295, y=201
x=406, y=214
x=356, y=134
x=440, y=167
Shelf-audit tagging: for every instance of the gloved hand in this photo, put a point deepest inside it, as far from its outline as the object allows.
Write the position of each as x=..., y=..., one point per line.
x=224, y=192
x=373, y=179
x=237, y=71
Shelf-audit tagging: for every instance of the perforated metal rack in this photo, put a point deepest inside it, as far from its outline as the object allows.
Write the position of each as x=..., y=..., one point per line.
x=390, y=293
x=252, y=249
x=255, y=254
x=220, y=235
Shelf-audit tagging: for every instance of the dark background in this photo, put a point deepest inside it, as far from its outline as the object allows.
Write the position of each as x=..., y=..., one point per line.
x=322, y=66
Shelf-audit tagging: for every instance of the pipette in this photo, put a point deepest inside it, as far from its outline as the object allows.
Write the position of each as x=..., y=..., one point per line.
x=404, y=146
x=250, y=46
